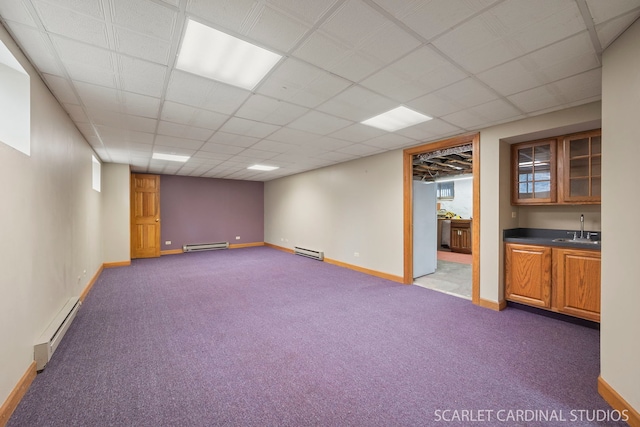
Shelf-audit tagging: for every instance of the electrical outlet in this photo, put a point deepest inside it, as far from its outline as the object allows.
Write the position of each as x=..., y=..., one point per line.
x=167, y=242
x=356, y=254
x=237, y=237
x=514, y=214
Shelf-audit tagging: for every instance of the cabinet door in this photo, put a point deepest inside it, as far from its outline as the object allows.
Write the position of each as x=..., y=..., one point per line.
x=533, y=173
x=461, y=240
x=577, y=282
x=528, y=274
x=582, y=167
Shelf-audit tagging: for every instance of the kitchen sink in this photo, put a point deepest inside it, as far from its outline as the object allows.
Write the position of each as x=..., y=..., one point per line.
x=578, y=240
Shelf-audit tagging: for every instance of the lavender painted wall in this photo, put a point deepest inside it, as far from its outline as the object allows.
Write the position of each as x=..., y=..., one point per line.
x=205, y=210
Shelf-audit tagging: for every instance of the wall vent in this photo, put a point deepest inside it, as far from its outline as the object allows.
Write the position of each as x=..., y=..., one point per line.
x=309, y=253
x=205, y=247
x=51, y=337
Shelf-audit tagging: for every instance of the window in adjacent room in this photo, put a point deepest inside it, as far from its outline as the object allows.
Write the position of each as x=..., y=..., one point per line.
x=445, y=190
x=95, y=173
x=15, y=103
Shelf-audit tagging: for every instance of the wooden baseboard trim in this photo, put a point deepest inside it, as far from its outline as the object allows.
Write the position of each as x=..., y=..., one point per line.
x=87, y=288
x=116, y=264
x=617, y=402
x=492, y=305
x=246, y=245
x=365, y=270
x=280, y=248
x=171, y=252
x=17, y=394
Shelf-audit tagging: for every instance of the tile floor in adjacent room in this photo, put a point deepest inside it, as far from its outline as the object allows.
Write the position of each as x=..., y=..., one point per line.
x=452, y=278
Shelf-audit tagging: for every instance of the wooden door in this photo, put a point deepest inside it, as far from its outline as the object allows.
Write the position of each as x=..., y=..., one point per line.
x=528, y=274
x=145, y=216
x=577, y=282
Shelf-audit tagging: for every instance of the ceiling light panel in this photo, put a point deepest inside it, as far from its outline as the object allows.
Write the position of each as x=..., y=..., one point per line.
x=396, y=119
x=170, y=157
x=216, y=55
x=263, y=168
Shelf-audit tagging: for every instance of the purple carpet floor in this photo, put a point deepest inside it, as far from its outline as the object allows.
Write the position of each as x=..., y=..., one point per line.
x=259, y=337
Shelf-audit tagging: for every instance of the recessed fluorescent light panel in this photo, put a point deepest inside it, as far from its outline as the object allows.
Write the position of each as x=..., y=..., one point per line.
x=263, y=168
x=396, y=119
x=216, y=55
x=170, y=157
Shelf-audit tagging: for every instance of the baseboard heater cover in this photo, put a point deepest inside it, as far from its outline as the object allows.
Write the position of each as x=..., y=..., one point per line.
x=51, y=337
x=205, y=247
x=309, y=253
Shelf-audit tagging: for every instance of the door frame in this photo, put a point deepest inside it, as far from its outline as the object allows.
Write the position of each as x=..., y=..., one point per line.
x=474, y=140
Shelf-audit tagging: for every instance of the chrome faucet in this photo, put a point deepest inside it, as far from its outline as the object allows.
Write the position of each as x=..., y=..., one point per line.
x=582, y=226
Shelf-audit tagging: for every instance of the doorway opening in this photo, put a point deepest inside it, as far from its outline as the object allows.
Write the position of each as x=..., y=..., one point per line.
x=445, y=159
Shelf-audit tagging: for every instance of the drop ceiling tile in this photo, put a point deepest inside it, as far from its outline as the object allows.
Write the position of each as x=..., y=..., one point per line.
x=273, y=146
x=538, y=98
x=206, y=156
x=610, y=30
x=246, y=127
x=357, y=104
x=74, y=25
x=139, y=105
x=229, y=14
x=213, y=147
x=252, y=155
x=81, y=53
x=91, y=8
x=145, y=16
x=434, y=105
x=114, y=119
x=183, y=131
x=464, y=119
x=495, y=111
x=188, y=115
x=563, y=59
x=141, y=76
x=419, y=73
x=269, y=110
x=319, y=123
x=62, y=89
x=77, y=113
x=308, y=11
x=325, y=143
x=602, y=11
x=98, y=97
x=178, y=143
x=233, y=139
x=197, y=91
x=390, y=141
x=141, y=46
x=16, y=12
x=353, y=23
x=466, y=93
x=37, y=47
x=302, y=84
x=429, y=130
x=275, y=30
x=430, y=19
x=389, y=43
x=499, y=35
x=582, y=86
x=361, y=150
x=172, y=148
x=293, y=136
x=336, y=156
x=357, y=133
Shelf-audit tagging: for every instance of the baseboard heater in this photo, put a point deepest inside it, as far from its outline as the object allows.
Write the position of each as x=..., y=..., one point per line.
x=51, y=337
x=309, y=253
x=205, y=247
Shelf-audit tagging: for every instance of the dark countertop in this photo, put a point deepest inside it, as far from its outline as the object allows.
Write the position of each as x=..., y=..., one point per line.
x=543, y=236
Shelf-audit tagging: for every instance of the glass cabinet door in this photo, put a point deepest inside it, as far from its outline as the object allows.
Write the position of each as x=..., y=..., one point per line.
x=582, y=167
x=534, y=172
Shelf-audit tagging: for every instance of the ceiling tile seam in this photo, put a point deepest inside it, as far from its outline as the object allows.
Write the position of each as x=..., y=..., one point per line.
x=180, y=28
x=591, y=28
x=429, y=43
x=613, y=39
x=54, y=53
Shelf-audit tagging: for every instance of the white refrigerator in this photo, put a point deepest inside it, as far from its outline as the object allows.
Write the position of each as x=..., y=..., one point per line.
x=425, y=228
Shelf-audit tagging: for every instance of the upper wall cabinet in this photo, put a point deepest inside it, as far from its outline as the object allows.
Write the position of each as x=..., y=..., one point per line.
x=562, y=170
x=582, y=167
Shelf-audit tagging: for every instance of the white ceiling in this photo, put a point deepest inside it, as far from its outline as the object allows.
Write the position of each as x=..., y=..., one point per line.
x=467, y=63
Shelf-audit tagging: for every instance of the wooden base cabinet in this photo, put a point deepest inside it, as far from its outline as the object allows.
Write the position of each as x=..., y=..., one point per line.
x=563, y=280
x=577, y=282
x=461, y=236
x=528, y=274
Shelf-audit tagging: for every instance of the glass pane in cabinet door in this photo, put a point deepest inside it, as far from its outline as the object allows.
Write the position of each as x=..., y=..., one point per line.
x=542, y=156
x=579, y=147
x=596, y=166
x=579, y=168
x=542, y=189
x=525, y=160
x=579, y=187
x=525, y=190
x=595, y=187
x=596, y=145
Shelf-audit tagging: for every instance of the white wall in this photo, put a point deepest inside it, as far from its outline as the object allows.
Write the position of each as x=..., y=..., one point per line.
x=620, y=346
x=51, y=227
x=116, y=214
x=342, y=209
x=462, y=203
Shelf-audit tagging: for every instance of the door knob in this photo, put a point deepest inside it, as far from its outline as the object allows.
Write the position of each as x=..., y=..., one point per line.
x=157, y=219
